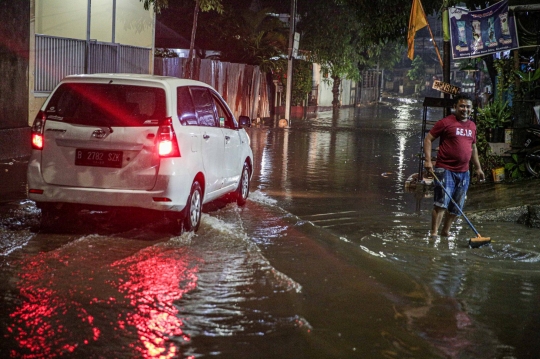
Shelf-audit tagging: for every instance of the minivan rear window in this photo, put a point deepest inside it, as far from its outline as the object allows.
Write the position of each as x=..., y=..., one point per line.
x=107, y=105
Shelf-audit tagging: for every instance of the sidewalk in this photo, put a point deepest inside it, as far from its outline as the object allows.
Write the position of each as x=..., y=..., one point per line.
x=491, y=196
x=505, y=202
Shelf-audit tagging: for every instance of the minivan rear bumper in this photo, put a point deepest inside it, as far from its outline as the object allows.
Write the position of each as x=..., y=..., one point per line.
x=107, y=198
x=159, y=199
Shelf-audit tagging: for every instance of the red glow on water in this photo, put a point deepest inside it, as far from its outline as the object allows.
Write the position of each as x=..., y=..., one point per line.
x=37, y=324
x=70, y=302
x=152, y=289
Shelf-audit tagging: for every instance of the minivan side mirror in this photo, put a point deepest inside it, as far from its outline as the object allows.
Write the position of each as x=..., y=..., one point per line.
x=244, y=121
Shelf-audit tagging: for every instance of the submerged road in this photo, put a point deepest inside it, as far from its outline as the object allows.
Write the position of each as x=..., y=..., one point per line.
x=330, y=258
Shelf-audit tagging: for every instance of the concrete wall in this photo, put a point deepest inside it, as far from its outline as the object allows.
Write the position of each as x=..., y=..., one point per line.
x=20, y=20
x=133, y=25
x=14, y=55
x=326, y=96
x=349, y=92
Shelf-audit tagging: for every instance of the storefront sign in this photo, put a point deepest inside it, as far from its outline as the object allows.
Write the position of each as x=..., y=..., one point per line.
x=445, y=87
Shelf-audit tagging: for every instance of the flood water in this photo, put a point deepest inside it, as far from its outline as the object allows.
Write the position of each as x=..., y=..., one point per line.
x=330, y=258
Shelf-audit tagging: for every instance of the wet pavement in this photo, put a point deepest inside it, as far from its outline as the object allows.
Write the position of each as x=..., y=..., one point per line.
x=489, y=197
x=330, y=258
x=503, y=201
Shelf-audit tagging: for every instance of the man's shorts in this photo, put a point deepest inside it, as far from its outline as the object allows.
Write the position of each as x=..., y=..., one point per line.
x=456, y=184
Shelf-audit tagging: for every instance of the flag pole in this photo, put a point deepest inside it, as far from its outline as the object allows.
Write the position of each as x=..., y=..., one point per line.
x=435, y=44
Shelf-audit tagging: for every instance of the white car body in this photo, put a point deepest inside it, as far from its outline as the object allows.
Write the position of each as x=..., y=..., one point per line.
x=87, y=158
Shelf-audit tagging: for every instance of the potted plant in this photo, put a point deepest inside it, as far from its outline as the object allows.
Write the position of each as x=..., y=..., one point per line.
x=527, y=80
x=495, y=116
x=488, y=159
x=515, y=166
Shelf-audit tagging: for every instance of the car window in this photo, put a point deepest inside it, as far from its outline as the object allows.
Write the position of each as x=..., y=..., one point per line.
x=185, y=107
x=107, y=105
x=225, y=118
x=204, y=106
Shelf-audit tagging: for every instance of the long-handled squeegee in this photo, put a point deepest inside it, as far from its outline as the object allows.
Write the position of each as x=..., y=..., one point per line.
x=473, y=242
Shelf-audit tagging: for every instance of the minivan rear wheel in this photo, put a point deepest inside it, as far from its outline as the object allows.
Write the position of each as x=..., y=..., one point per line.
x=242, y=192
x=51, y=217
x=194, y=208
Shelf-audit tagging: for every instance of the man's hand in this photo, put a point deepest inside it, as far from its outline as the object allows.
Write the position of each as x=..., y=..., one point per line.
x=480, y=174
x=428, y=166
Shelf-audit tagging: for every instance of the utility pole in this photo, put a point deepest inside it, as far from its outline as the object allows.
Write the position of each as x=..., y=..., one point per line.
x=292, y=29
x=446, y=49
x=87, y=49
x=113, y=38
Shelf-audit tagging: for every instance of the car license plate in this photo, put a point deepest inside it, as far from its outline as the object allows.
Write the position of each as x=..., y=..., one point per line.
x=98, y=158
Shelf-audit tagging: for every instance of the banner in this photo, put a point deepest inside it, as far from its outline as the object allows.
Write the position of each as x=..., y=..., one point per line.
x=417, y=21
x=481, y=32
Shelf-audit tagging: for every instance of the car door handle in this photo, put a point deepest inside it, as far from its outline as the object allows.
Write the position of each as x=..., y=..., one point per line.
x=205, y=136
x=227, y=138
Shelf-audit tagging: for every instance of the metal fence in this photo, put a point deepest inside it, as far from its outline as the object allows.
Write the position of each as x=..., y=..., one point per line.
x=57, y=57
x=244, y=87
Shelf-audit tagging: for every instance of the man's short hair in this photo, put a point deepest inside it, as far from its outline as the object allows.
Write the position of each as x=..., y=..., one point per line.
x=462, y=96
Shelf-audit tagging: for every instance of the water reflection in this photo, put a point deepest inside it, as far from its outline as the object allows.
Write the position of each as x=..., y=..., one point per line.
x=346, y=174
x=330, y=258
x=70, y=300
x=330, y=161
x=403, y=125
x=152, y=281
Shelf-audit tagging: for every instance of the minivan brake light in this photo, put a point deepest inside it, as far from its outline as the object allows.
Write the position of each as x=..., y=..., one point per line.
x=37, y=131
x=166, y=140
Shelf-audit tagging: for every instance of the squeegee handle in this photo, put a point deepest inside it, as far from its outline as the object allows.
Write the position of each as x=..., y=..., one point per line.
x=455, y=204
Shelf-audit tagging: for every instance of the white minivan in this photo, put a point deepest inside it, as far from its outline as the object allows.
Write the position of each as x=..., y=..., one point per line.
x=107, y=141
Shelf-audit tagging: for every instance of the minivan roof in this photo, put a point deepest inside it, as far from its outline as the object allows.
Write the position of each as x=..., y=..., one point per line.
x=169, y=80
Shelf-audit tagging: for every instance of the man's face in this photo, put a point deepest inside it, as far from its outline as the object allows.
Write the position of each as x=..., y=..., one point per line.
x=463, y=109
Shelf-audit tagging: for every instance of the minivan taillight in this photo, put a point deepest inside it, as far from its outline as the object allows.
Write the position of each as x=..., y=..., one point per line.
x=167, y=144
x=37, y=131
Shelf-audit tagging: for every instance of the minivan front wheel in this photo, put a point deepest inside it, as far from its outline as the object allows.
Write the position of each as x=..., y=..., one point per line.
x=242, y=192
x=194, y=208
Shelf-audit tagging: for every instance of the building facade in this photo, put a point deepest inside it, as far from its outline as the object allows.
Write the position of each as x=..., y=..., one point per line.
x=45, y=40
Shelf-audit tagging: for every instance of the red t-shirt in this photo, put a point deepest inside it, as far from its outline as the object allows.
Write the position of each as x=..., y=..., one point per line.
x=455, y=144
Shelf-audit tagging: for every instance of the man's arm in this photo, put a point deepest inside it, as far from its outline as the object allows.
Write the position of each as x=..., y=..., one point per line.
x=427, y=152
x=476, y=163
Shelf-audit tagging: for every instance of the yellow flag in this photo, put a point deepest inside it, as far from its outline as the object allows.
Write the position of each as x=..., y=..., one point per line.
x=417, y=20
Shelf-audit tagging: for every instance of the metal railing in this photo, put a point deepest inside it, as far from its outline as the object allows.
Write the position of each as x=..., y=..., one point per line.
x=57, y=57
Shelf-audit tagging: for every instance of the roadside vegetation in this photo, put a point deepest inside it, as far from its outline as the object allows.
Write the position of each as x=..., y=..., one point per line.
x=344, y=37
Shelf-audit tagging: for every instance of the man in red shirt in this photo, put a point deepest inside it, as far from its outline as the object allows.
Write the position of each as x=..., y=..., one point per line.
x=457, y=146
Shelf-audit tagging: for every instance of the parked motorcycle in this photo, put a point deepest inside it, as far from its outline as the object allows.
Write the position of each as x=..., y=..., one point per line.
x=532, y=150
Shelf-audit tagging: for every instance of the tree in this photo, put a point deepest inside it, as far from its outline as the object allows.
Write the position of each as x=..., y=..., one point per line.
x=417, y=73
x=329, y=34
x=265, y=39
x=249, y=36
x=200, y=5
x=157, y=4
x=203, y=5
x=347, y=36
x=389, y=54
